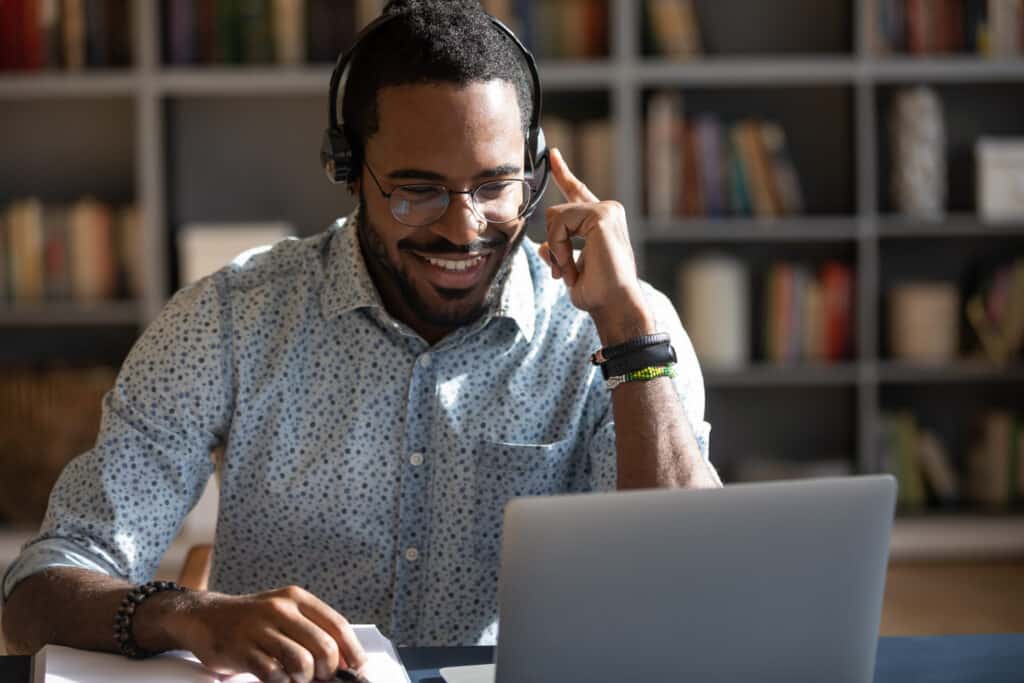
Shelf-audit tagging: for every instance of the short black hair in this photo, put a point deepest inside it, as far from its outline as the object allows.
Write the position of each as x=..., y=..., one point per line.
x=432, y=41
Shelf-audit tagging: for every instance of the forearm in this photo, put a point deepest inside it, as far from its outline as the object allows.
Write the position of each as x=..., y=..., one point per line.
x=654, y=441
x=76, y=608
x=655, y=445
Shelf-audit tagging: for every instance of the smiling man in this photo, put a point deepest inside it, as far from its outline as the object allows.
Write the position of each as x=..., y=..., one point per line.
x=381, y=391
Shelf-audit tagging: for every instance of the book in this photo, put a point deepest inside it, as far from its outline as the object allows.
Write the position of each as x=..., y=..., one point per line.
x=330, y=29
x=73, y=25
x=559, y=133
x=97, y=42
x=787, y=192
x=713, y=296
x=596, y=161
x=56, y=253
x=25, y=226
x=180, y=20
x=664, y=167
x=120, y=30
x=93, y=251
x=289, y=32
x=1004, y=28
x=691, y=194
x=204, y=248
x=837, y=302
x=59, y=664
x=674, y=28
x=255, y=35
x=937, y=469
x=988, y=467
x=708, y=141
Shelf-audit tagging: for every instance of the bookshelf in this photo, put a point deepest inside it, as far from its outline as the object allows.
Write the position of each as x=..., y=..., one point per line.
x=239, y=143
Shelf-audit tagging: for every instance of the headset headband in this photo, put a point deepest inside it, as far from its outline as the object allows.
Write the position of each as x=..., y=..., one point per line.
x=345, y=58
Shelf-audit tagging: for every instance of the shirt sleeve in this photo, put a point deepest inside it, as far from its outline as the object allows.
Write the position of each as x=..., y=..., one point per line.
x=116, y=507
x=602, y=473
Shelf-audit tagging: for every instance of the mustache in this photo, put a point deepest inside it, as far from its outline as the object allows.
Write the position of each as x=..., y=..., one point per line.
x=443, y=246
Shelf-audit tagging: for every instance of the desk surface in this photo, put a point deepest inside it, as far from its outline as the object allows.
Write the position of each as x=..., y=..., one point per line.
x=935, y=659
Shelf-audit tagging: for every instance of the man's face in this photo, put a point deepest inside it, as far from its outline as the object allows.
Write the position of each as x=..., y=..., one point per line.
x=457, y=136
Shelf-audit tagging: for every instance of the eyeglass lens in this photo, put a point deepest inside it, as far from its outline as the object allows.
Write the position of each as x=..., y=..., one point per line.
x=498, y=201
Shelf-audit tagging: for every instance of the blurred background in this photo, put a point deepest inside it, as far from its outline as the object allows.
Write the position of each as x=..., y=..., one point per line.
x=831, y=192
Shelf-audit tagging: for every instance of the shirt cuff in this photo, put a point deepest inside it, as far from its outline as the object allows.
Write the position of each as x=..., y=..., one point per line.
x=54, y=552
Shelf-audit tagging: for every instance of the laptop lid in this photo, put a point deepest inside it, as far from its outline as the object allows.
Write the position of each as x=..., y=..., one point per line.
x=768, y=582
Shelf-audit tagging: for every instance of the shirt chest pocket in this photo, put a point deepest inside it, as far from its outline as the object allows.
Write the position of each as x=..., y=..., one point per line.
x=507, y=470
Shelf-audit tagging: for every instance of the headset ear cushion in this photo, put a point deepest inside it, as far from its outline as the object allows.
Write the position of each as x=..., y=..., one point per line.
x=336, y=156
x=540, y=161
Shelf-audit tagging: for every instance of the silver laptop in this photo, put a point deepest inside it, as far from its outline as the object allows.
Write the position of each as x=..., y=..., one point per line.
x=754, y=582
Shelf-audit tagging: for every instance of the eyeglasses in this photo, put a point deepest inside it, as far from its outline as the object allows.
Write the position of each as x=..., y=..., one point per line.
x=419, y=204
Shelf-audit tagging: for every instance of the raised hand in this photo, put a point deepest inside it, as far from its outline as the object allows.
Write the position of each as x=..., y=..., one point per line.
x=602, y=280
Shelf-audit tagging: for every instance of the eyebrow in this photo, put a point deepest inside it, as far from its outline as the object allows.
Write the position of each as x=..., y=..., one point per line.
x=422, y=174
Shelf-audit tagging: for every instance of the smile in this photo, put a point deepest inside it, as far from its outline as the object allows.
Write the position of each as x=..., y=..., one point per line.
x=455, y=266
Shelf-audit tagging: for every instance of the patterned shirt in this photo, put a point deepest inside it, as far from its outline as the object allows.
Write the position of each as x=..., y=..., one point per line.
x=360, y=462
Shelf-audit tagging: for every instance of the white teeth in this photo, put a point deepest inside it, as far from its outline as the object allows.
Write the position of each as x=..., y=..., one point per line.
x=455, y=265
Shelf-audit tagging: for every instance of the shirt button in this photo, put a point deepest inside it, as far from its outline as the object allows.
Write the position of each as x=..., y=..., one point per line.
x=416, y=459
x=412, y=554
x=425, y=360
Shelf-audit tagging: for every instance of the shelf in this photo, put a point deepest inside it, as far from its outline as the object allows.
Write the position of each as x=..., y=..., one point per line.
x=224, y=81
x=793, y=229
x=68, y=83
x=954, y=225
x=561, y=75
x=967, y=68
x=768, y=375
x=58, y=314
x=892, y=372
x=972, y=537
x=716, y=71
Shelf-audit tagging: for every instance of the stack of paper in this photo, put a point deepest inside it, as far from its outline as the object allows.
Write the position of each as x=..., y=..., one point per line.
x=58, y=664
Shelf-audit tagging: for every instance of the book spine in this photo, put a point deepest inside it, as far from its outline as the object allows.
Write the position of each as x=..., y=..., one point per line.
x=254, y=32
x=709, y=142
x=73, y=25
x=27, y=251
x=663, y=165
x=596, y=32
x=56, y=253
x=11, y=26
x=33, y=55
x=120, y=31
x=97, y=53
x=289, y=32
x=229, y=48
x=837, y=288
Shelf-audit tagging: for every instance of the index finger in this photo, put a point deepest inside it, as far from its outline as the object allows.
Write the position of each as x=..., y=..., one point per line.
x=324, y=616
x=571, y=186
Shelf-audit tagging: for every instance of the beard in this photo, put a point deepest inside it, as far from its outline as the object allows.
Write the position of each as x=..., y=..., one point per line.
x=375, y=251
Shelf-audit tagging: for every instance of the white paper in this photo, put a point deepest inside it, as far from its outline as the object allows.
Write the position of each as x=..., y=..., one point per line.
x=58, y=664
x=483, y=673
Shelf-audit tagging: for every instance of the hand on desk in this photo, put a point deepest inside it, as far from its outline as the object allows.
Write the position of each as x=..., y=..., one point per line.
x=281, y=636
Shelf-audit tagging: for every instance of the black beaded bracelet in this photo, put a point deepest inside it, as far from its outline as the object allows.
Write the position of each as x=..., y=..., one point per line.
x=607, y=353
x=123, y=622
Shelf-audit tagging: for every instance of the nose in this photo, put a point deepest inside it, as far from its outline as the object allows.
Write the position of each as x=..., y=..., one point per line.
x=459, y=224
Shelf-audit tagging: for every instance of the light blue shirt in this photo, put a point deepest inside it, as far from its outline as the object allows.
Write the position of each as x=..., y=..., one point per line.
x=360, y=462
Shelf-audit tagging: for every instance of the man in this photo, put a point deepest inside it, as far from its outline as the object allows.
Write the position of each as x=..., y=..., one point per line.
x=381, y=391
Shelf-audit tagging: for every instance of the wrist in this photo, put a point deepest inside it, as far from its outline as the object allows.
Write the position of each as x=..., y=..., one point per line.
x=164, y=621
x=615, y=324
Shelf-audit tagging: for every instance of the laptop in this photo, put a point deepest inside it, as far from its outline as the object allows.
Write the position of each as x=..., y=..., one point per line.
x=777, y=581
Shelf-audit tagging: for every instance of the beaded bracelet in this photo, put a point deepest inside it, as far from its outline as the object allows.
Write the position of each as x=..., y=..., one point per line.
x=643, y=375
x=123, y=622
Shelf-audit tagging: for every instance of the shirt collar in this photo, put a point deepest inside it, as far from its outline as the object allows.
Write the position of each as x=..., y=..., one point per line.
x=350, y=287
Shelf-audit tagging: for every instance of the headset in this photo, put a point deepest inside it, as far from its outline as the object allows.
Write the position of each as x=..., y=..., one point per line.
x=336, y=154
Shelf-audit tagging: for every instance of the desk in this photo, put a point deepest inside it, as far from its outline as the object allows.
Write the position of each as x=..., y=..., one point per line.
x=935, y=659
